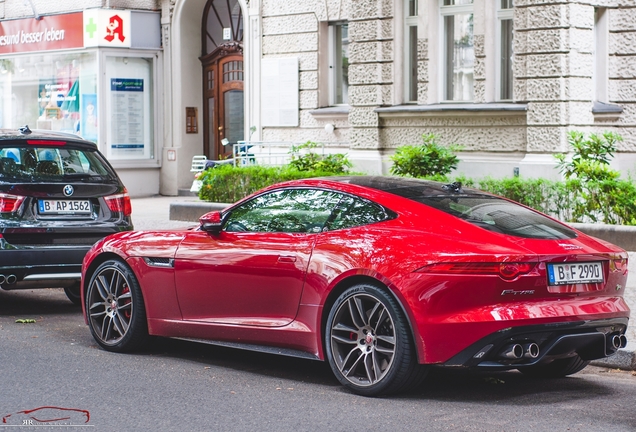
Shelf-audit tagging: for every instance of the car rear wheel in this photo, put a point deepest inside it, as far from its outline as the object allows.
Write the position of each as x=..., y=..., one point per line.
x=115, y=308
x=368, y=343
x=558, y=368
x=73, y=293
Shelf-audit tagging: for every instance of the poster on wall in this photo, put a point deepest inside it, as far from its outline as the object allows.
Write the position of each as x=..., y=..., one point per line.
x=127, y=125
x=88, y=126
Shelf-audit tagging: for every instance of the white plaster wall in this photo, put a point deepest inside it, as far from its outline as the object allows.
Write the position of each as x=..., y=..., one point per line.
x=186, y=88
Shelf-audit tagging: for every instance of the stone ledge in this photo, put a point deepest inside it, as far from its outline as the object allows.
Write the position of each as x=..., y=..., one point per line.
x=192, y=211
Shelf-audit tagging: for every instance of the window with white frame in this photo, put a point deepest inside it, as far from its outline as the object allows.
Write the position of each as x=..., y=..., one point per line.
x=338, y=63
x=457, y=50
x=599, y=72
x=410, y=53
x=504, y=17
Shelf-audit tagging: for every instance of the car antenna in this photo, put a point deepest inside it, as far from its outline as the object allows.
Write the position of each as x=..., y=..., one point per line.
x=455, y=187
x=24, y=130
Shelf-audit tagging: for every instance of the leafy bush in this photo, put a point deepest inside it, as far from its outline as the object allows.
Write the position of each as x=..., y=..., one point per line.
x=303, y=158
x=591, y=157
x=228, y=184
x=429, y=159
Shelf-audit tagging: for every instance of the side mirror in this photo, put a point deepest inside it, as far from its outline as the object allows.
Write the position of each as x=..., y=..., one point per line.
x=211, y=222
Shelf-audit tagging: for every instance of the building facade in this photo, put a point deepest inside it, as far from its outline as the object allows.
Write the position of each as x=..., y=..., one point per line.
x=504, y=79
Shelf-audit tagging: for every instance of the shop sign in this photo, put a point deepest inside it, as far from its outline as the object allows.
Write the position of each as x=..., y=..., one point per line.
x=107, y=28
x=52, y=32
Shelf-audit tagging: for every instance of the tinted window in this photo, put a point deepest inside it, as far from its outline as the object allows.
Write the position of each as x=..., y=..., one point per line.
x=33, y=164
x=499, y=215
x=290, y=210
x=352, y=212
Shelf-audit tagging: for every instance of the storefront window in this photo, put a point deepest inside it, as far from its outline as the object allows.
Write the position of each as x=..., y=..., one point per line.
x=129, y=104
x=50, y=91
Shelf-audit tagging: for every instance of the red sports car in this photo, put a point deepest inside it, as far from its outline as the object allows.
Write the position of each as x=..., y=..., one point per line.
x=380, y=276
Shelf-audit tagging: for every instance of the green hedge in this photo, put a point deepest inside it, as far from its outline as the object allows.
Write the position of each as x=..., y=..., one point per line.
x=228, y=184
x=611, y=201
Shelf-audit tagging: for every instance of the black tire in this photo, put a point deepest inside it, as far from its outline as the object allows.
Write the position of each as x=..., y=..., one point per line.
x=369, y=345
x=73, y=294
x=115, y=308
x=557, y=369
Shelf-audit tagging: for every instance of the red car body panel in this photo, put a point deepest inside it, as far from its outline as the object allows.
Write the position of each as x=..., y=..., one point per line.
x=271, y=288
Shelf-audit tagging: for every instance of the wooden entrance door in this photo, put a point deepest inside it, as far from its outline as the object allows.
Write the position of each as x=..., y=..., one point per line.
x=222, y=60
x=223, y=105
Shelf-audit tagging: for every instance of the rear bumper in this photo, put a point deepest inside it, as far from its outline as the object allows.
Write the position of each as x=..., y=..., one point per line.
x=41, y=267
x=590, y=340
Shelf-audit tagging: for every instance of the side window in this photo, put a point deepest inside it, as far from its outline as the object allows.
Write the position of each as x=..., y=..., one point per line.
x=352, y=212
x=290, y=210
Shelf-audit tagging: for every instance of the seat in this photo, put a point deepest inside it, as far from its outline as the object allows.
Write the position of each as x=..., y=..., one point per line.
x=47, y=167
x=7, y=166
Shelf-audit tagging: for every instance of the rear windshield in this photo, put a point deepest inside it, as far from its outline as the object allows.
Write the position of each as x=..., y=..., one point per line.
x=499, y=215
x=34, y=164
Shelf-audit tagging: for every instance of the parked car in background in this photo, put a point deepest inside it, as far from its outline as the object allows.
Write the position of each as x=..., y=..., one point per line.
x=58, y=196
x=382, y=277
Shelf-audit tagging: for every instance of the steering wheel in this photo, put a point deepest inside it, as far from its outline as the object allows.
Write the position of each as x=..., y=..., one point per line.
x=286, y=223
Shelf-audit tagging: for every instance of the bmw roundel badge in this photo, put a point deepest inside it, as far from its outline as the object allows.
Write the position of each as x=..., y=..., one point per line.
x=68, y=190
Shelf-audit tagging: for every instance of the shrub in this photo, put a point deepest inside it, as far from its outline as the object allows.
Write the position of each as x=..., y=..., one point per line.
x=429, y=159
x=303, y=158
x=228, y=184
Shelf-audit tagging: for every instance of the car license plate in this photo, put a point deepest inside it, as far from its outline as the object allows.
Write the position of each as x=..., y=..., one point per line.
x=48, y=207
x=575, y=273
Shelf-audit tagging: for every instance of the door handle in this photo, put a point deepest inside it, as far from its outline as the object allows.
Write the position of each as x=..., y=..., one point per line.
x=286, y=259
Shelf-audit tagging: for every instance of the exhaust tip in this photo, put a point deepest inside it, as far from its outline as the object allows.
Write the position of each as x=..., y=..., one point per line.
x=623, y=341
x=616, y=342
x=514, y=351
x=531, y=350
x=3, y=279
x=11, y=279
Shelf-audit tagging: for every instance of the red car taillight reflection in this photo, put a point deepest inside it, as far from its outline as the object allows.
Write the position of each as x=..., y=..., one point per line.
x=119, y=203
x=507, y=270
x=10, y=203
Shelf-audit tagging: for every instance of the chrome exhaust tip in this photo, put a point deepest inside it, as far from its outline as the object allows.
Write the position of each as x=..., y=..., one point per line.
x=616, y=341
x=623, y=341
x=531, y=350
x=3, y=279
x=11, y=279
x=514, y=351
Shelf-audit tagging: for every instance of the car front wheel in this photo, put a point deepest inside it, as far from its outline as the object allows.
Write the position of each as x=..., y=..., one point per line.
x=368, y=343
x=115, y=308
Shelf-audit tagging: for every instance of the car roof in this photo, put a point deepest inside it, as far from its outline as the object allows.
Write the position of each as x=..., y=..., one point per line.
x=41, y=134
x=407, y=187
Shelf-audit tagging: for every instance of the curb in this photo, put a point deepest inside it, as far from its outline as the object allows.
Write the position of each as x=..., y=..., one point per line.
x=623, y=359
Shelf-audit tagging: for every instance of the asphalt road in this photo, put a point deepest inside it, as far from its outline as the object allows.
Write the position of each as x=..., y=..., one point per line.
x=182, y=386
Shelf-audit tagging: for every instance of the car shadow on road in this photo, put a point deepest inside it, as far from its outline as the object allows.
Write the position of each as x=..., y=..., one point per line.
x=511, y=387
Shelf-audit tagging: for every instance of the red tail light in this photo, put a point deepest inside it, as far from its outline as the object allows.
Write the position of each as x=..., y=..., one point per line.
x=46, y=143
x=506, y=271
x=120, y=203
x=10, y=203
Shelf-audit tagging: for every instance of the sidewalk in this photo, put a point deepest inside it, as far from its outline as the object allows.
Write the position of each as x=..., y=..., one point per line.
x=175, y=212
